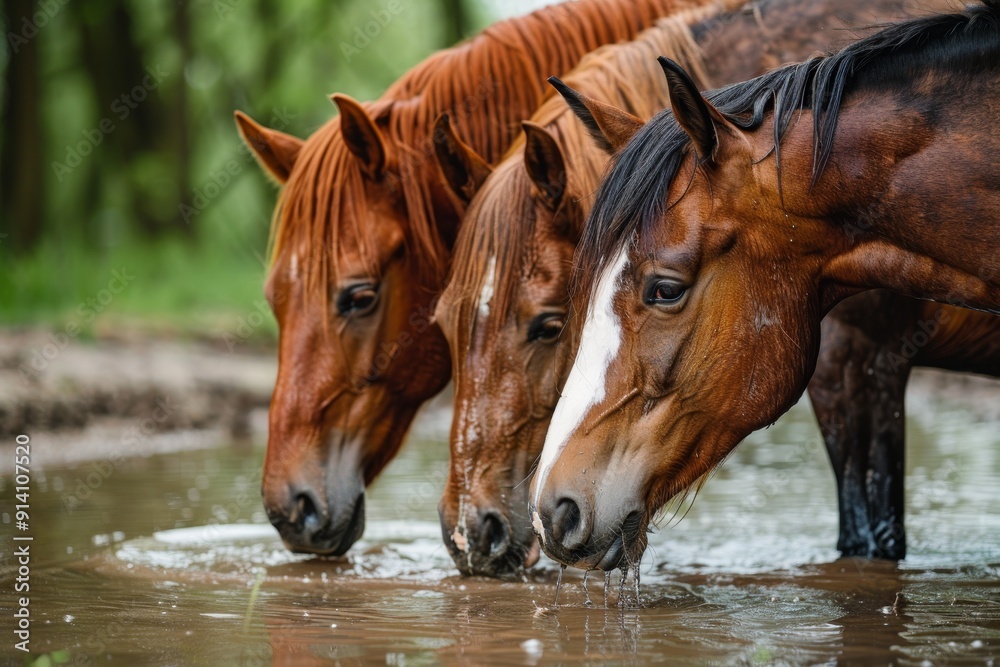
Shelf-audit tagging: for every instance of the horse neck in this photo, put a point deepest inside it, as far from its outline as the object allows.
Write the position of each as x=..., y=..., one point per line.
x=911, y=195
x=497, y=79
x=629, y=77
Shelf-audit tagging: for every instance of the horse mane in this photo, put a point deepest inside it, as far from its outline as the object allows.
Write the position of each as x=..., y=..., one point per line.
x=487, y=84
x=633, y=197
x=502, y=235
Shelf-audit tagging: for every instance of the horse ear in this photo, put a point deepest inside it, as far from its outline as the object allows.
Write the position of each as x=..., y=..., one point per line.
x=275, y=151
x=543, y=159
x=362, y=136
x=609, y=126
x=463, y=169
x=694, y=114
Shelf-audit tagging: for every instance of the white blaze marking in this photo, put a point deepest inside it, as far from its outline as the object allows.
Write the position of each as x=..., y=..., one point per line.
x=293, y=270
x=487, y=294
x=460, y=542
x=457, y=536
x=599, y=343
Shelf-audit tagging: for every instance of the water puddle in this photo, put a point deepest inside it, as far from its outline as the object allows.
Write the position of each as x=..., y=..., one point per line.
x=169, y=560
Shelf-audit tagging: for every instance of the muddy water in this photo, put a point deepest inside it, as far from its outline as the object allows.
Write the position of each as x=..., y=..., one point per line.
x=168, y=560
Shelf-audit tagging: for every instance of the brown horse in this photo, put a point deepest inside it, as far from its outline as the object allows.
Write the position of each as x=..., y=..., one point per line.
x=868, y=345
x=506, y=301
x=511, y=349
x=730, y=225
x=361, y=244
x=860, y=412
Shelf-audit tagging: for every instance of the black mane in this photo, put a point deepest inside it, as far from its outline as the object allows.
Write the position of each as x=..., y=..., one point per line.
x=633, y=196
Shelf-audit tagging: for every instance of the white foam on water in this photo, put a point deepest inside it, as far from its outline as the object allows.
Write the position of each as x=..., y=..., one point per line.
x=217, y=534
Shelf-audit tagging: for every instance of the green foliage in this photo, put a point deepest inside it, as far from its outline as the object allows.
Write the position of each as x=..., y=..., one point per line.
x=140, y=162
x=49, y=659
x=171, y=286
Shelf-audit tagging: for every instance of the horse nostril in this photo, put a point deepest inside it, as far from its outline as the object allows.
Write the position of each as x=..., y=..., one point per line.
x=494, y=536
x=565, y=521
x=305, y=515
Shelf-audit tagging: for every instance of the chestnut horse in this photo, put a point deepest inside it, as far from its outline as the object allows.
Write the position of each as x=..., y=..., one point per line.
x=729, y=226
x=511, y=349
x=361, y=243
x=505, y=304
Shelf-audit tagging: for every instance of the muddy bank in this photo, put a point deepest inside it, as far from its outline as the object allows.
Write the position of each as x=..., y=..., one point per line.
x=173, y=385
x=139, y=396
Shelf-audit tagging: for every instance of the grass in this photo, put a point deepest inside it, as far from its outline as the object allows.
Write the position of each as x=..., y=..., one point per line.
x=172, y=287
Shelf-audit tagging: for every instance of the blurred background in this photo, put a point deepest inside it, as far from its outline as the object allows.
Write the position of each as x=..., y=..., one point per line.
x=119, y=151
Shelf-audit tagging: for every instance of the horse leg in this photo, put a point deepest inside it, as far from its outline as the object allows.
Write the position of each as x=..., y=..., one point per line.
x=857, y=392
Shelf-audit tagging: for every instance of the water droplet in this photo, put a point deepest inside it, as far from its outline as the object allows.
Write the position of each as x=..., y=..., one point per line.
x=607, y=584
x=621, y=587
x=532, y=647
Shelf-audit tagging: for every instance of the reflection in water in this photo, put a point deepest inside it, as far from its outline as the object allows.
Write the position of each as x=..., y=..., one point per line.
x=150, y=569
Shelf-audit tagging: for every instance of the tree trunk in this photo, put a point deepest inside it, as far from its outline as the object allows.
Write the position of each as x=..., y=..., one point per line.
x=456, y=21
x=22, y=181
x=179, y=115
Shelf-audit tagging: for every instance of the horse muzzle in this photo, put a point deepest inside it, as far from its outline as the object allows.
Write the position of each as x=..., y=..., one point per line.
x=600, y=527
x=318, y=506
x=309, y=527
x=483, y=543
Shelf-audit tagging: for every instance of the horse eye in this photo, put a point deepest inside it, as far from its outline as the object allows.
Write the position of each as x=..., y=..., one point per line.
x=545, y=328
x=357, y=300
x=664, y=293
